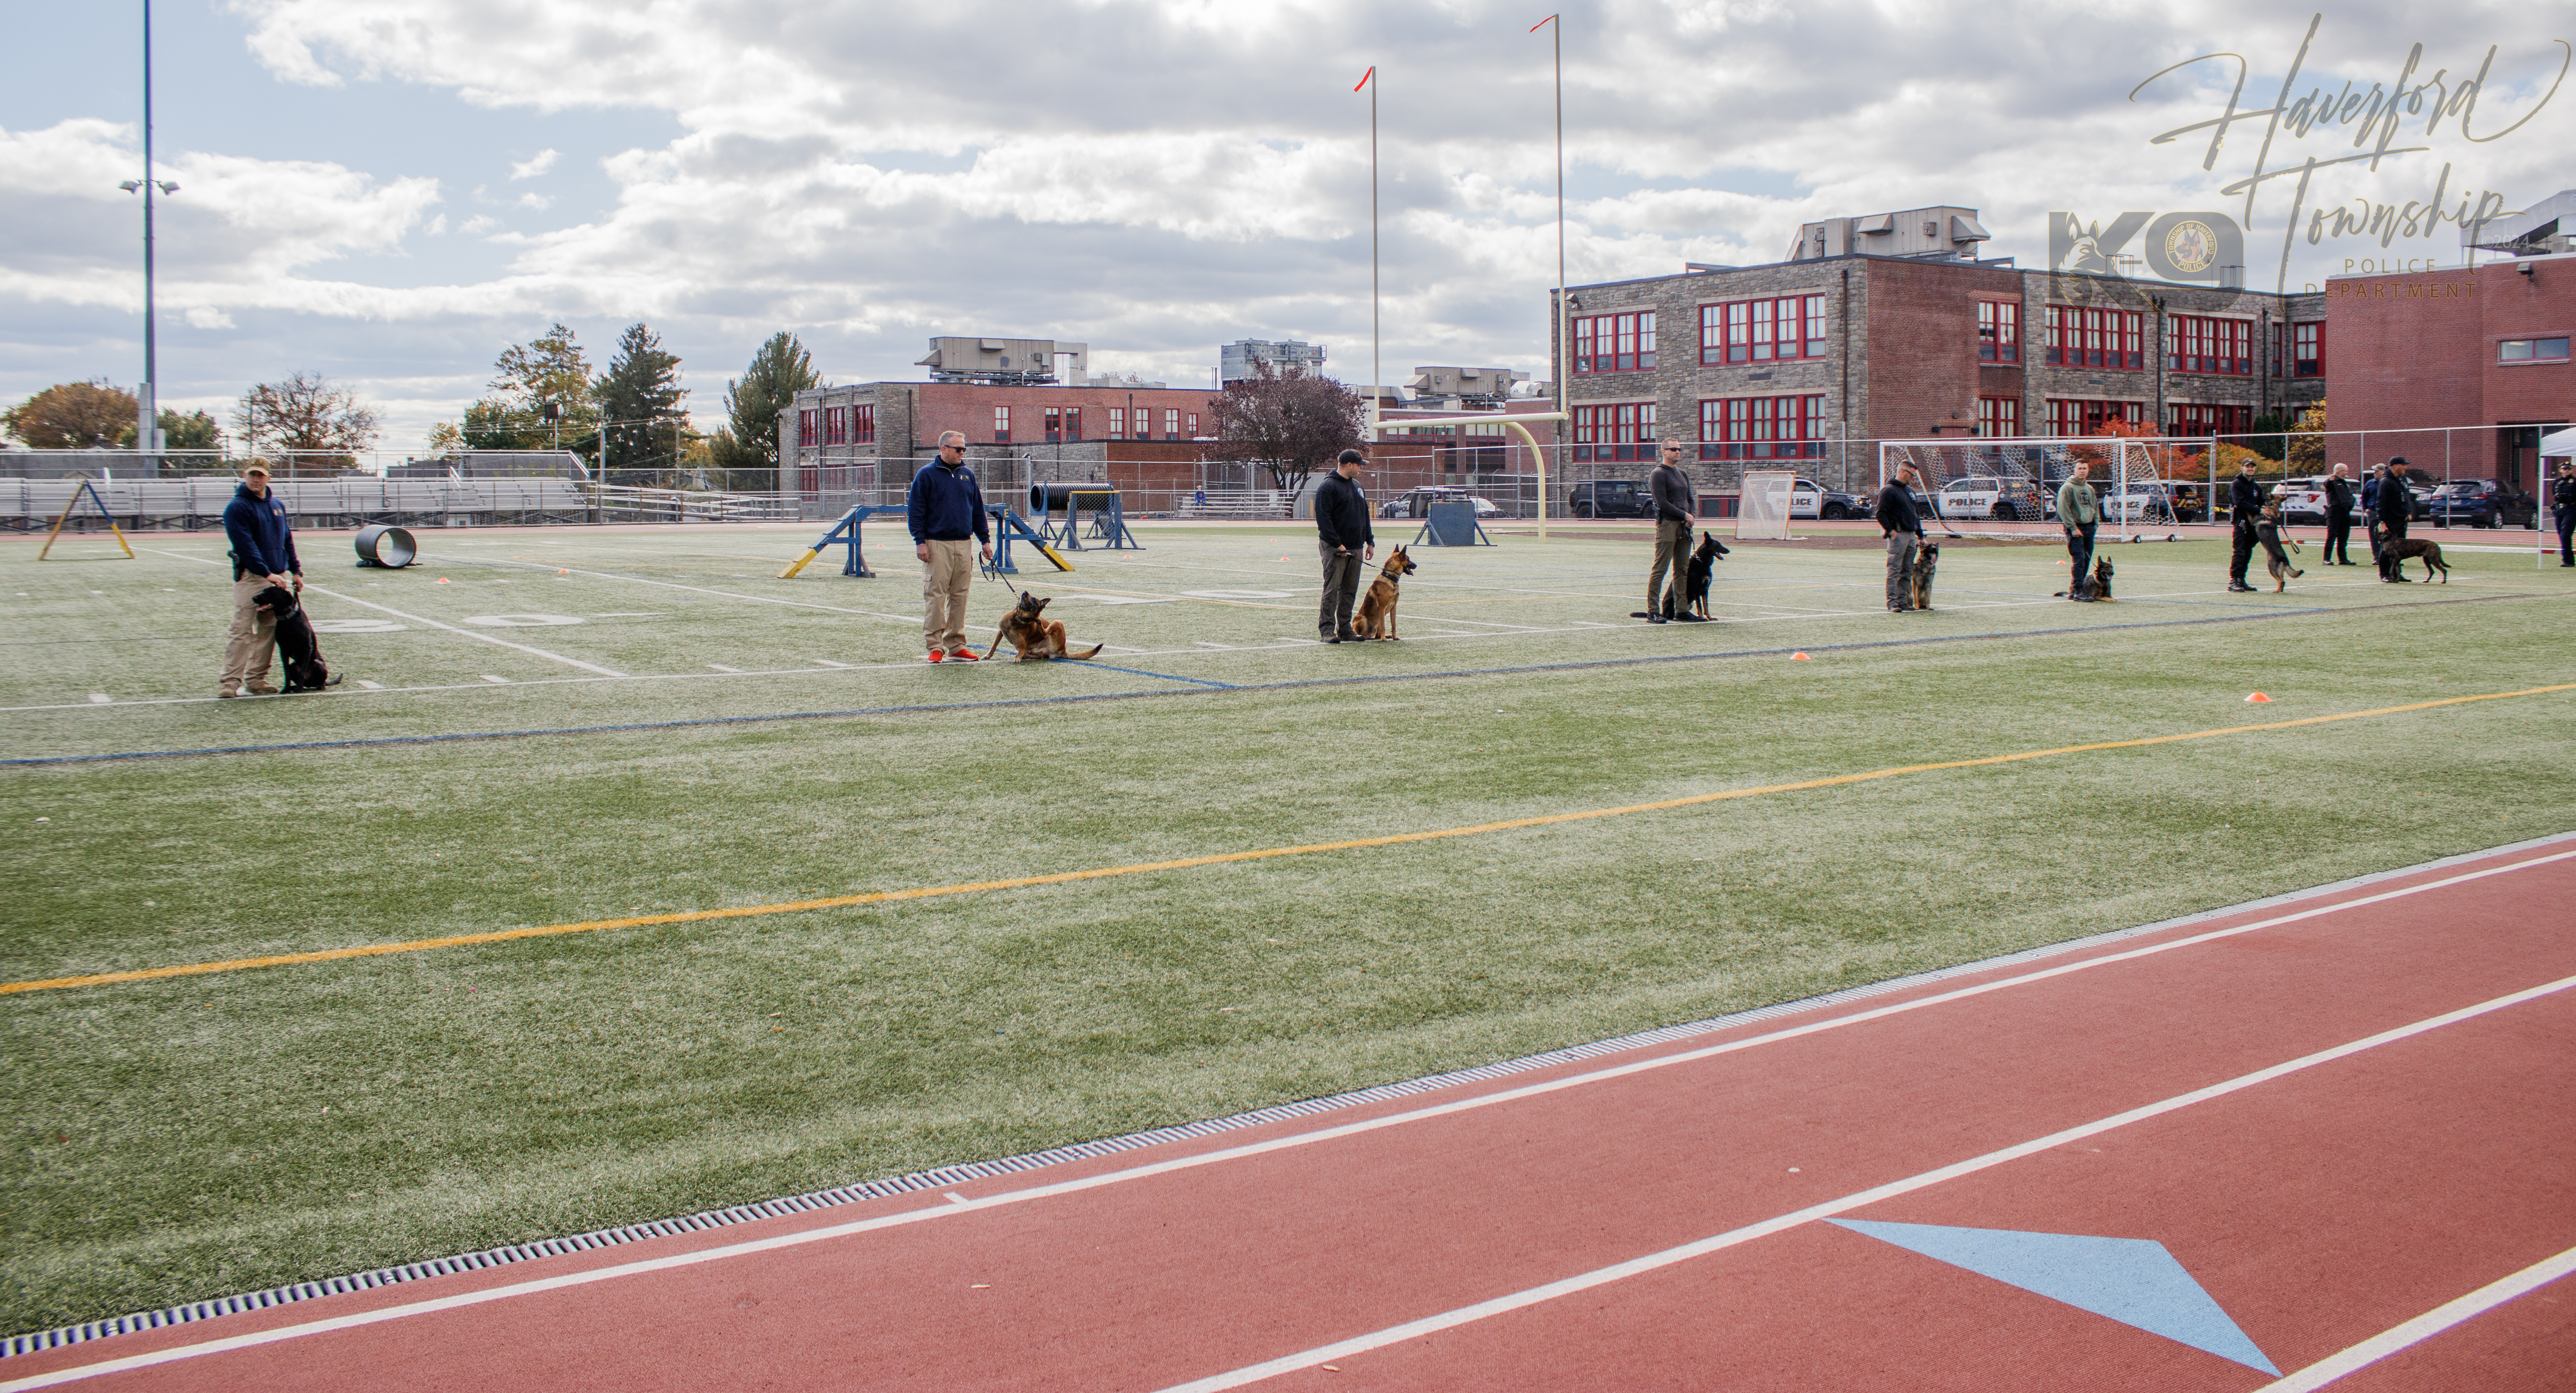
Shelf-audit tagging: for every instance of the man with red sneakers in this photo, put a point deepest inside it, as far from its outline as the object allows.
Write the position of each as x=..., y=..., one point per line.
x=946, y=508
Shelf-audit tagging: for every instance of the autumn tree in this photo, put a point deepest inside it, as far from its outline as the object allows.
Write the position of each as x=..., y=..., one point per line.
x=312, y=422
x=74, y=416
x=548, y=370
x=2307, y=454
x=749, y=442
x=639, y=403
x=1289, y=423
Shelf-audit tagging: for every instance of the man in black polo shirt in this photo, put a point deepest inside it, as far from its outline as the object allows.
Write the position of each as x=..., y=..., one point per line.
x=1904, y=528
x=1345, y=540
x=2245, y=508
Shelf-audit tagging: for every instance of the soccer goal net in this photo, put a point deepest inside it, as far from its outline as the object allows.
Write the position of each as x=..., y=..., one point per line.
x=1763, y=510
x=1976, y=485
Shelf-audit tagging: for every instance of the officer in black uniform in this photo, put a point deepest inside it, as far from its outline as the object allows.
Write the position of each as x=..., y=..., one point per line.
x=2562, y=501
x=2245, y=506
x=2396, y=509
x=2338, y=548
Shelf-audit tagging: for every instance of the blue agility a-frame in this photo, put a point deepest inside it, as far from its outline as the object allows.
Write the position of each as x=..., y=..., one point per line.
x=845, y=533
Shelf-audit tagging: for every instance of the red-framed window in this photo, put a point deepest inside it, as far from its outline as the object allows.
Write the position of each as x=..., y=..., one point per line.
x=1998, y=331
x=2082, y=417
x=1194, y=425
x=1118, y=423
x=863, y=424
x=2208, y=418
x=2204, y=344
x=2308, y=349
x=1614, y=342
x=1073, y=423
x=836, y=425
x=2082, y=337
x=1998, y=417
x=1001, y=425
x=809, y=428
x=1054, y=423
x=1762, y=331
x=1762, y=428
x=1621, y=432
x=1171, y=423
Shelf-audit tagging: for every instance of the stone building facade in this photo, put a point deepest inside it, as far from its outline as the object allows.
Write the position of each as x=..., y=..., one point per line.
x=1811, y=362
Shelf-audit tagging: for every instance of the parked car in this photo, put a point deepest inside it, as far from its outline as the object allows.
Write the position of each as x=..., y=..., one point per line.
x=1416, y=503
x=2145, y=501
x=1810, y=499
x=2482, y=503
x=1610, y=498
x=2004, y=500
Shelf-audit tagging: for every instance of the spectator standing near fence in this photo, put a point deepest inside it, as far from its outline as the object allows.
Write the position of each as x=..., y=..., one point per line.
x=2396, y=510
x=2562, y=501
x=1904, y=528
x=2079, y=511
x=2337, y=550
x=946, y=512
x=263, y=545
x=2244, y=508
x=1670, y=488
x=1345, y=540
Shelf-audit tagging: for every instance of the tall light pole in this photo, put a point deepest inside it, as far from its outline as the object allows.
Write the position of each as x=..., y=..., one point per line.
x=147, y=441
x=1376, y=375
x=1556, y=41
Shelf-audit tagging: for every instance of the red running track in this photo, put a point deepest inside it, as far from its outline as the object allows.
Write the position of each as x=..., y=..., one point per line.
x=2337, y=1116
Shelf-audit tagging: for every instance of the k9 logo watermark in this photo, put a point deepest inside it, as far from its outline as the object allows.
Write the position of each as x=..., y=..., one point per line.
x=2202, y=247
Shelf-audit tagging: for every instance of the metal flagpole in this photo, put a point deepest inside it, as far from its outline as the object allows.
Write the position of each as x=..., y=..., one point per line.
x=146, y=408
x=1556, y=42
x=1376, y=374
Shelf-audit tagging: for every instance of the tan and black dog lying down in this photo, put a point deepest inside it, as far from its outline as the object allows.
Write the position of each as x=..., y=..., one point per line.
x=1034, y=636
x=1376, y=617
x=2397, y=554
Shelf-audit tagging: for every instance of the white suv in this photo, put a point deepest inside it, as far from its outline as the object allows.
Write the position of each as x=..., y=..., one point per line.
x=2006, y=500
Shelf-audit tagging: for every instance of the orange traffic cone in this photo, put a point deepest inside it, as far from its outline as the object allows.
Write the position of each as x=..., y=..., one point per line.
x=2258, y=696
x=1800, y=658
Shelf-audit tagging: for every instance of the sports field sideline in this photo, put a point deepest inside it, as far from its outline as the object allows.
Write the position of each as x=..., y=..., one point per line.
x=189, y=1136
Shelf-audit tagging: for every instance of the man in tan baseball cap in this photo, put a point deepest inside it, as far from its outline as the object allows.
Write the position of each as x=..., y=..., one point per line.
x=263, y=555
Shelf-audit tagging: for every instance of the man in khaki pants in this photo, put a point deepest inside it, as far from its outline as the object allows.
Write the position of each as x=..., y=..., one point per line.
x=263, y=555
x=946, y=508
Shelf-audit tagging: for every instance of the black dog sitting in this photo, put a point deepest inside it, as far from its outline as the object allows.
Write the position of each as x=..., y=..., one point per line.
x=297, y=646
x=1702, y=562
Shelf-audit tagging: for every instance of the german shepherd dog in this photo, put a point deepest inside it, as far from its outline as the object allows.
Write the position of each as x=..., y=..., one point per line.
x=1702, y=562
x=2096, y=586
x=2267, y=530
x=296, y=643
x=1927, y=558
x=2399, y=553
x=1033, y=635
x=1376, y=617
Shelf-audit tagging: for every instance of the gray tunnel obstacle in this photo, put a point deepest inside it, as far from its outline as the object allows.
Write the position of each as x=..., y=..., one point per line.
x=389, y=547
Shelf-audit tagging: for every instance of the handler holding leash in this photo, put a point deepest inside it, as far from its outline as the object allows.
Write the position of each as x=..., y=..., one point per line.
x=2396, y=510
x=2562, y=501
x=2245, y=509
x=263, y=555
x=1904, y=528
x=2338, y=548
x=1671, y=490
x=2079, y=511
x=1344, y=539
x=945, y=508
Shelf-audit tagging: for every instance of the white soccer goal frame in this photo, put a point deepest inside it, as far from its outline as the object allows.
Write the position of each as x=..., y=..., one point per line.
x=2038, y=464
x=1768, y=518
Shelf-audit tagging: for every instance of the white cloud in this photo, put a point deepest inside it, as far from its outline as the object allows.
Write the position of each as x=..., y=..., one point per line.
x=208, y=317
x=536, y=201
x=531, y=168
x=477, y=225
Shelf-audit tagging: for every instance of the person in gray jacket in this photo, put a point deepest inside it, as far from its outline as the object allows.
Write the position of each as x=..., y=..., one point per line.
x=2079, y=511
x=1671, y=489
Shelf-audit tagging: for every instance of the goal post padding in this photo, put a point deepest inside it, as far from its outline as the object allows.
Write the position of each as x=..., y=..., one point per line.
x=1763, y=510
x=2017, y=478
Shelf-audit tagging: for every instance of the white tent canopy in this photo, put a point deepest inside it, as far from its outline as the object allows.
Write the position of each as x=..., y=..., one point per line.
x=2561, y=442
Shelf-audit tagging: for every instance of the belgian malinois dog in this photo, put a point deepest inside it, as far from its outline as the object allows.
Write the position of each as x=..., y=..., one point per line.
x=1376, y=618
x=1927, y=558
x=2399, y=553
x=1033, y=635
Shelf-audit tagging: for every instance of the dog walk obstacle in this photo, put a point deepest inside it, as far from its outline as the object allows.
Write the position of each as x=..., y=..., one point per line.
x=845, y=533
x=89, y=491
x=1047, y=497
x=1451, y=522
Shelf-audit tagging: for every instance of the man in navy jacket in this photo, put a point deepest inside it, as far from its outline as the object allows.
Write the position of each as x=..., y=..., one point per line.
x=946, y=507
x=263, y=555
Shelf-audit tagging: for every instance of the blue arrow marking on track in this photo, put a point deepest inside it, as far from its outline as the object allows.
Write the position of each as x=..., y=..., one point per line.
x=2131, y=1280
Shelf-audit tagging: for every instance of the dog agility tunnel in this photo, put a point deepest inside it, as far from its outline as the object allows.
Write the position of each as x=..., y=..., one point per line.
x=1055, y=495
x=383, y=545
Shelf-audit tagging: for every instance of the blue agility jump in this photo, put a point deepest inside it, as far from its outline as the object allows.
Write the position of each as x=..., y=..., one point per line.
x=1007, y=526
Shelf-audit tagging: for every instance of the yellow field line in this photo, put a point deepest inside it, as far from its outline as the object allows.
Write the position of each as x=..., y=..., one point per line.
x=376, y=950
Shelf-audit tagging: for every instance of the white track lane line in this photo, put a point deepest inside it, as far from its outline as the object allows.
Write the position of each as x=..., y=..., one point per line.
x=500, y=561
x=1437, y=1110
x=417, y=619
x=1603, y=1276
x=2427, y=1325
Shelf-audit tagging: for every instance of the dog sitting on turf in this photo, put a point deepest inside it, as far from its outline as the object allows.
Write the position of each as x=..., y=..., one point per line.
x=1695, y=581
x=296, y=643
x=2397, y=554
x=2096, y=586
x=1918, y=585
x=1032, y=635
x=1376, y=617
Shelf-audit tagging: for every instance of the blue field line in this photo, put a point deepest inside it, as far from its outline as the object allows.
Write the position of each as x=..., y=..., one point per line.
x=1168, y=677
x=926, y=708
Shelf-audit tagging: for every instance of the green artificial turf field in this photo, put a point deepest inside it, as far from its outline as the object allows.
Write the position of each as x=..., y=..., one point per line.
x=189, y=1136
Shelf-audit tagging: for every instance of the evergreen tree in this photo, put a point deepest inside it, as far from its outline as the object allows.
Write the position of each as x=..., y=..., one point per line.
x=547, y=369
x=780, y=370
x=639, y=403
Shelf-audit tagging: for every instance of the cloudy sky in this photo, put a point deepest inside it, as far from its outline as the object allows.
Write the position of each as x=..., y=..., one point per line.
x=391, y=191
